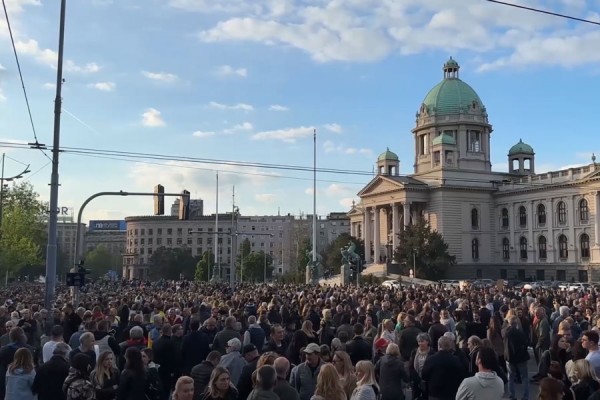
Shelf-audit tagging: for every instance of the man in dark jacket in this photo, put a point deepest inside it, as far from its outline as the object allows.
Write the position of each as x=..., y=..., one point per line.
x=436, y=330
x=408, y=337
x=283, y=389
x=358, y=348
x=443, y=372
x=201, y=373
x=251, y=356
x=195, y=347
x=167, y=357
x=516, y=356
x=50, y=376
x=277, y=341
x=221, y=338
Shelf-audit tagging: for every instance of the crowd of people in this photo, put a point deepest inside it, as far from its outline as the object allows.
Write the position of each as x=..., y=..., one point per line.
x=208, y=341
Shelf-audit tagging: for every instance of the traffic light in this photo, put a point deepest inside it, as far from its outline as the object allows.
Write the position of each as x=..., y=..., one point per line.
x=159, y=200
x=184, y=206
x=75, y=279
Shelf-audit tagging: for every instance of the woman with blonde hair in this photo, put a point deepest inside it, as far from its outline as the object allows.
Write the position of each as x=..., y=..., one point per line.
x=184, y=389
x=19, y=376
x=307, y=328
x=343, y=366
x=220, y=386
x=328, y=386
x=366, y=385
x=267, y=358
x=105, y=377
x=587, y=381
x=391, y=374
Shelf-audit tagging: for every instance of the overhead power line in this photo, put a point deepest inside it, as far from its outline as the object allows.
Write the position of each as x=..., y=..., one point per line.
x=538, y=10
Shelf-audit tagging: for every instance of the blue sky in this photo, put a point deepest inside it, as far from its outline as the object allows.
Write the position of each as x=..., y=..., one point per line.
x=249, y=81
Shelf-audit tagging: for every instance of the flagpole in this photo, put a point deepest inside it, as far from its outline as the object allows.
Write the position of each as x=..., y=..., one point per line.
x=216, y=239
x=314, y=231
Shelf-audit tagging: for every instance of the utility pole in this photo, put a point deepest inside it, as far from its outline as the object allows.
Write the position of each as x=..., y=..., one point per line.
x=53, y=214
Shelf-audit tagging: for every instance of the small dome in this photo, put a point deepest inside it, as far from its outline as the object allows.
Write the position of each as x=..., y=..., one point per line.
x=444, y=139
x=521, y=148
x=452, y=95
x=387, y=156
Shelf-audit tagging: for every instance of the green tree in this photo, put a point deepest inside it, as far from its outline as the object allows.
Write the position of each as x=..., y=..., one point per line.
x=302, y=258
x=254, y=266
x=332, y=254
x=204, y=267
x=23, y=231
x=100, y=260
x=172, y=263
x=426, y=247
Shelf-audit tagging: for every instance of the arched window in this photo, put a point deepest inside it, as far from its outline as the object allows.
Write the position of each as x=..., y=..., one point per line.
x=522, y=216
x=523, y=248
x=505, y=218
x=474, y=218
x=563, y=247
x=505, y=249
x=584, y=245
x=562, y=213
x=541, y=214
x=543, y=254
x=584, y=211
x=475, y=249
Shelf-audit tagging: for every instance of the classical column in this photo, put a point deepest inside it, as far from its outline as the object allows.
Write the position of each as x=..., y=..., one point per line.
x=377, y=235
x=395, y=231
x=406, y=210
x=551, y=240
x=530, y=241
x=353, y=229
x=572, y=216
x=597, y=219
x=367, y=234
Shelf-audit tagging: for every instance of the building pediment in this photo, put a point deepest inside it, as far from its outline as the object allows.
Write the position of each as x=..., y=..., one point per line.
x=384, y=184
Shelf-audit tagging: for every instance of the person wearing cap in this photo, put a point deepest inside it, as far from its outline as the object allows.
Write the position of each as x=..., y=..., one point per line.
x=251, y=355
x=50, y=376
x=304, y=378
x=233, y=360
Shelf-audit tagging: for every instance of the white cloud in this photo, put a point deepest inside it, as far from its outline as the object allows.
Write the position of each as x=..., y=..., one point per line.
x=49, y=57
x=266, y=198
x=335, y=128
x=103, y=86
x=347, y=202
x=238, y=106
x=203, y=134
x=161, y=76
x=2, y=96
x=2, y=68
x=244, y=126
x=228, y=70
x=278, y=107
x=331, y=147
x=288, y=135
x=49, y=86
x=152, y=118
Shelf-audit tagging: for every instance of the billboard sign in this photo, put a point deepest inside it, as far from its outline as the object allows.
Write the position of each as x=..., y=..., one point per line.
x=107, y=225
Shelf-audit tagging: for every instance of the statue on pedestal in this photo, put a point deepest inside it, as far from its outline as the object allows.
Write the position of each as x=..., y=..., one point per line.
x=314, y=267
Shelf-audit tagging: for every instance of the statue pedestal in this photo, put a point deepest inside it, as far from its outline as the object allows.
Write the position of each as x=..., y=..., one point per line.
x=344, y=274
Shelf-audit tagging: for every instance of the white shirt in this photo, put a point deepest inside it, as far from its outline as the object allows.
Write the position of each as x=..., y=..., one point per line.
x=48, y=350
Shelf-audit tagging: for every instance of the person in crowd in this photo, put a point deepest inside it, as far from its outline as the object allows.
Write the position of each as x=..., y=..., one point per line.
x=391, y=374
x=223, y=337
x=551, y=389
x=304, y=377
x=407, y=341
x=167, y=357
x=233, y=360
x=220, y=386
x=136, y=339
x=282, y=388
x=358, y=348
x=558, y=353
x=184, y=389
x=266, y=379
x=328, y=385
x=516, y=356
x=485, y=385
x=254, y=334
x=86, y=346
x=251, y=356
x=276, y=343
x=105, y=340
x=105, y=377
x=345, y=369
x=50, y=376
x=7, y=354
x=437, y=329
x=415, y=365
x=443, y=372
x=195, y=347
x=5, y=338
x=56, y=337
x=132, y=383
x=366, y=384
x=541, y=335
x=474, y=343
x=153, y=388
x=587, y=380
x=589, y=341
x=20, y=376
x=77, y=385
x=201, y=373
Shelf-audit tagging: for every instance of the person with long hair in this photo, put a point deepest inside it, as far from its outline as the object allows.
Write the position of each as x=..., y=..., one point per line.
x=391, y=374
x=366, y=385
x=220, y=386
x=307, y=328
x=345, y=369
x=184, y=389
x=78, y=386
x=551, y=389
x=132, y=384
x=329, y=386
x=494, y=335
x=577, y=353
x=557, y=354
x=294, y=350
x=153, y=383
x=105, y=377
x=587, y=381
x=20, y=376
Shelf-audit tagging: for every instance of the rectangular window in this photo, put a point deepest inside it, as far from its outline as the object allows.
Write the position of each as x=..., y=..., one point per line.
x=142, y=232
x=159, y=231
x=169, y=242
x=179, y=241
x=150, y=231
x=189, y=240
x=423, y=144
x=150, y=240
x=199, y=241
x=149, y=252
x=169, y=231
x=142, y=240
x=475, y=141
x=561, y=275
x=503, y=273
x=179, y=231
x=158, y=241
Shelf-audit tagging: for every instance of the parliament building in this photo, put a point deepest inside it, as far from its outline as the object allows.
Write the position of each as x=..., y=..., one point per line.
x=512, y=225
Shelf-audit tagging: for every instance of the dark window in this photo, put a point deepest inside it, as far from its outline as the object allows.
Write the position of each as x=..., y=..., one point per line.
x=503, y=273
x=521, y=274
x=561, y=275
x=584, y=211
x=474, y=218
x=563, y=247
x=505, y=218
x=582, y=275
x=584, y=245
x=543, y=254
x=479, y=273
x=505, y=249
x=562, y=213
x=523, y=248
x=541, y=214
x=475, y=249
x=540, y=274
x=522, y=216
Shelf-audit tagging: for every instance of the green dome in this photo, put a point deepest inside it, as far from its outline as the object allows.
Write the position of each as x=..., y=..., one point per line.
x=387, y=155
x=521, y=148
x=452, y=96
x=444, y=139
